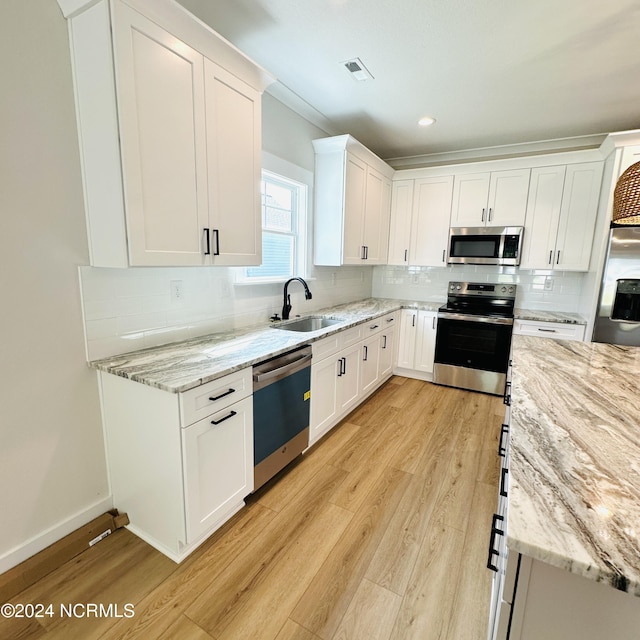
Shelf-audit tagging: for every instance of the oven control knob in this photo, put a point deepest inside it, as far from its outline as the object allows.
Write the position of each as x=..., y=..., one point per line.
x=458, y=287
x=504, y=289
x=510, y=289
x=452, y=287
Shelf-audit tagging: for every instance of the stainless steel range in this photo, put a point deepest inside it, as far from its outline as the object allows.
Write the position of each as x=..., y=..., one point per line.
x=473, y=340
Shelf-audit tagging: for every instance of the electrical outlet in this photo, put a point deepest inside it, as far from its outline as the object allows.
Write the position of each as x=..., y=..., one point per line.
x=548, y=284
x=177, y=290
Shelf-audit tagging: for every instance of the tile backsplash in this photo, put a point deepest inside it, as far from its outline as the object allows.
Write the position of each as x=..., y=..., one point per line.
x=129, y=309
x=542, y=290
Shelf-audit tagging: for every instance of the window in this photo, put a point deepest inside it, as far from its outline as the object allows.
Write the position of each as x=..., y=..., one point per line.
x=283, y=223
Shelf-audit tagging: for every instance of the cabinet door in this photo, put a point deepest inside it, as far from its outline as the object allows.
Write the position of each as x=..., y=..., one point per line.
x=430, y=224
x=218, y=466
x=508, y=191
x=355, y=185
x=349, y=383
x=425, y=341
x=400, y=223
x=376, y=218
x=543, y=215
x=234, y=165
x=324, y=396
x=370, y=364
x=387, y=345
x=578, y=216
x=160, y=89
x=470, y=200
x=407, y=338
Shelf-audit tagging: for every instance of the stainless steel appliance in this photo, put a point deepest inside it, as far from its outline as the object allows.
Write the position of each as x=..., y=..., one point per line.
x=485, y=245
x=618, y=319
x=473, y=338
x=281, y=392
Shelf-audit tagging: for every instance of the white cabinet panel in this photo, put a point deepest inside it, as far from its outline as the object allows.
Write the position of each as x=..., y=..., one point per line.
x=218, y=466
x=163, y=137
x=370, y=364
x=387, y=352
x=400, y=225
x=324, y=396
x=496, y=199
x=234, y=152
x=407, y=338
x=561, y=216
x=425, y=341
x=352, y=203
x=555, y=330
x=430, y=222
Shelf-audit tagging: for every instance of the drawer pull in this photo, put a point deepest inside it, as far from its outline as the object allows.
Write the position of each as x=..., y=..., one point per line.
x=548, y=330
x=492, y=551
x=390, y=319
x=507, y=394
x=231, y=414
x=372, y=327
x=222, y=395
x=502, y=450
x=503, y=482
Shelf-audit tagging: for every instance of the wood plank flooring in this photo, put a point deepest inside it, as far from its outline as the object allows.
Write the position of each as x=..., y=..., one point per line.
x=379, y=532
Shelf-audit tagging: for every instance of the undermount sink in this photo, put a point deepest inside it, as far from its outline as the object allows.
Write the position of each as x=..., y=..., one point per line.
x=310, y=323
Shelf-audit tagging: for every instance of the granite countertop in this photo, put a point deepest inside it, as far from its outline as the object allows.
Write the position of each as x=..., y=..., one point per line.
x=574, y=492
x=564, y=317
x=184, y=365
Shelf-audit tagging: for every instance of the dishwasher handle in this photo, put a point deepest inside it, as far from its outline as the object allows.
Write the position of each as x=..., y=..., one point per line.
x=263, y=378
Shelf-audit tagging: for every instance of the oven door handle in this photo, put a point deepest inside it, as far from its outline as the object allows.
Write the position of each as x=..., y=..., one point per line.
x=471, y=318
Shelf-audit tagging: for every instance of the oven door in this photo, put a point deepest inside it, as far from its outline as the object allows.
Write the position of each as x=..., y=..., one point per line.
x=472, y=352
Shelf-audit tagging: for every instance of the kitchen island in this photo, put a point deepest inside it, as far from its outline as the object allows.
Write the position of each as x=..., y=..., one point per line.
x=574, y=489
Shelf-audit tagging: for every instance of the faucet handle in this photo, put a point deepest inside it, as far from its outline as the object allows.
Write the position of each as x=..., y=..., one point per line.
x=275, y=318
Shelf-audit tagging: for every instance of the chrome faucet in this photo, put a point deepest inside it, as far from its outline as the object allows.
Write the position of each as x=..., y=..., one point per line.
x=287, y=298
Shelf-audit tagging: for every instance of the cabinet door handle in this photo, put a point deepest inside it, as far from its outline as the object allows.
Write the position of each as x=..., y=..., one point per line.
x=490, y=210
x=217, y=251
x=339, y=367
x=483, y=212
x=207, y=238
x=362, y=257
x=558, y=258
x=502, y=450
x=344, y=366
x=433, y=323
x=507, y=394
x=494, y=532
x=444, y=251
x=503, y=482
x=222, y=395
x=550, y=256
x=413, y=320
x=384, y=344
x=365, y=353
x=406, y=252
x=366, y=252
x=231, y=414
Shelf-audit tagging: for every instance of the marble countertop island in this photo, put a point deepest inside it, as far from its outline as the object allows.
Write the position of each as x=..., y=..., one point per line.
x=574, y=492
x=180, y=366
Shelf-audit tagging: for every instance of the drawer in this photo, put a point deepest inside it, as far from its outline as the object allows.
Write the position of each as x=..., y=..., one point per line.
x=556, y=330
x=325, y=347
x=351, y=336
x=213, y=396
x=379, y=324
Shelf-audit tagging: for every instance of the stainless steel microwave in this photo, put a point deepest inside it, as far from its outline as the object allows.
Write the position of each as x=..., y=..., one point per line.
x=485, y=245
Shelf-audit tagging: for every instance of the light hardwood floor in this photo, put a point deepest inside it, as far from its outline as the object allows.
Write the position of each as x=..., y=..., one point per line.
x=378, y=532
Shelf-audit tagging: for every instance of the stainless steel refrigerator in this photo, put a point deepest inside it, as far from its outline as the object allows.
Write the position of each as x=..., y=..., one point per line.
x=618, y=320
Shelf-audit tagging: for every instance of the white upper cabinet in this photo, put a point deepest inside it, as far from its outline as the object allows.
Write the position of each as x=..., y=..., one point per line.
x=561, y=216
x=170, y=140
x=495, y=199
x=352, y=203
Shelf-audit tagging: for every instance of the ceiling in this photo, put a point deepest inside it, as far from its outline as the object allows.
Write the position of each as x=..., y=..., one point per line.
x=492, y=72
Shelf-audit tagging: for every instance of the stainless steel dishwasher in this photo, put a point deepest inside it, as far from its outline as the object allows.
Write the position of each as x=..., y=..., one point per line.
x=281, y=392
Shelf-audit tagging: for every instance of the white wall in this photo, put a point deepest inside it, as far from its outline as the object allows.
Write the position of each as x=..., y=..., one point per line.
x=52, y=464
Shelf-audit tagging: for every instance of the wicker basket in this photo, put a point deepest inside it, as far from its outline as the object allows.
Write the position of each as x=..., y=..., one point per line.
x=626, y=197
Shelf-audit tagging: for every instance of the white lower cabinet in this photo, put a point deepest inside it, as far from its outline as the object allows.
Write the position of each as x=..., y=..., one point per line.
x=180, y=464
x=417, y=343
x=346, y=368
x=218, y=466
x=555, y=330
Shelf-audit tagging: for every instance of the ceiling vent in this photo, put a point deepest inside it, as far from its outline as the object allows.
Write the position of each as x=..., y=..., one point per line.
x=357, y=70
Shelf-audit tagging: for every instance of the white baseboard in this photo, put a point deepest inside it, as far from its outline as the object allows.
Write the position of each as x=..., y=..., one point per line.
x=36, y=544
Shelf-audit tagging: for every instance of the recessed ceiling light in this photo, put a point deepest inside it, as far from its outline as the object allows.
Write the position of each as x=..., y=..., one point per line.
x=426, y=121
